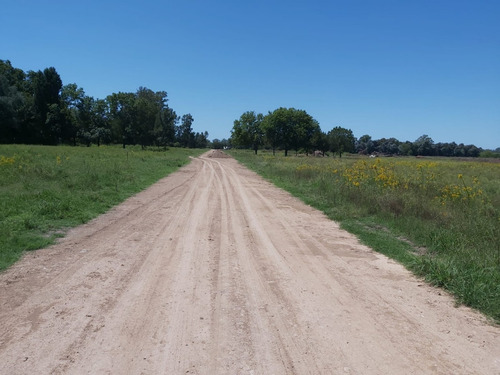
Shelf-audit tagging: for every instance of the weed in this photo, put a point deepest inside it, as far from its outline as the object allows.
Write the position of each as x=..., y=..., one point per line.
x=45, y=189
x=450, y=208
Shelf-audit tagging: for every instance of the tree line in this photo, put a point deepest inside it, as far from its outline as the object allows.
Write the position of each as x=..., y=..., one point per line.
x=289, y=129
x=292, y=129
x=36, y=108
x=423, y=145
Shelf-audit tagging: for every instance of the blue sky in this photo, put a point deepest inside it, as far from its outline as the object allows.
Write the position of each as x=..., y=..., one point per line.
x=384, y=68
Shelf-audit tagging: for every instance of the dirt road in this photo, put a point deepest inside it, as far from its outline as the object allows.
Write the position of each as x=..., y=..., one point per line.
x=214, y=271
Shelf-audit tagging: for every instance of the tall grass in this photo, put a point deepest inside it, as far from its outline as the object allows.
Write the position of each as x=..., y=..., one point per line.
x=439, y=217
x=46, y=190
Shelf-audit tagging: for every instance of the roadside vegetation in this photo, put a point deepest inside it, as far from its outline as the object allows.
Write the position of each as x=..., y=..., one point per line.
x=46, y=190
x=440, y=217
x=290, y=129
x=36, y=108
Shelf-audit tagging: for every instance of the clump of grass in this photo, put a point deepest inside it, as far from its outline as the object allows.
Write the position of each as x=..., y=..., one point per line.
x=44, y=190
x=399, y=206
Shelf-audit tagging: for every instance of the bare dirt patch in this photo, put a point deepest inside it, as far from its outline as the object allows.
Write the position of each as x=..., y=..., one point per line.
x=219, y=154
x=215, y=271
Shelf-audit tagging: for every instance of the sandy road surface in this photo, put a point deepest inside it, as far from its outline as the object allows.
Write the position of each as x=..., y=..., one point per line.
x=214, y=271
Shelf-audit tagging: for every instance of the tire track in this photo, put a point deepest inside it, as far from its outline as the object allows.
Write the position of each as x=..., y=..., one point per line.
x=215, y=271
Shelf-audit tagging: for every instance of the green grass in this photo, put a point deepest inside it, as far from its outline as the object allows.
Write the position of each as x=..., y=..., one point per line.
x=438, y=217
x=46, y=190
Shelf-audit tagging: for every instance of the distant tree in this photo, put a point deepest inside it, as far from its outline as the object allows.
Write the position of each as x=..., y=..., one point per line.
x=16, y=106
x=100, y=126
x=56, y=127
x=72, y=95
x=185, y=134
x=165, y=127
x=271, y=131
x=490, y=153
x=36, y=108
x=72, y=98
x=388, y=146
x=289, y=128
x=11, y=103
x=122, y=117
x=217, y=144
x=303, y=129
x=445, y=149
x=423, y=145
x=46, y=88
x=472, y=151
x=364, y=145
x=278, y=126
x=148, y=108
x=459, y=150
x=341, y=140
x=247, y=131
x=319, y=142
x=14, y=76
x=406, y=148
x=85, y=120
x=201, y=140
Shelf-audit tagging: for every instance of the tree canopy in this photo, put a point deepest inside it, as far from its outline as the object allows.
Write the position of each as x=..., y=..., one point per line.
x=290, y=128
x=293, y=129
x=341, y=140
x=36, y=108
x=247, y=131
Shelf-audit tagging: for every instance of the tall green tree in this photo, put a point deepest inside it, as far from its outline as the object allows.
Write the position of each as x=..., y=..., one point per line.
x=17, y=106
x=365, y=145
x=36, y=108
x=220, y=143
x=185, y=134
x=46, y=87
x=100, y=130
x=148, y=107
x=85, y=120
x=303, y=129
x=341, y=140
x=72, y=98
x=278, y=127
x=389, y=146
x=320, y=142
x=271, y=131
x=11, y=104
x=284, y=121
x=201, y=140
x=289, y=128
x=15, y=76
x=165, y=127
x=423, y=145
x=247, y=131
x=122, y=117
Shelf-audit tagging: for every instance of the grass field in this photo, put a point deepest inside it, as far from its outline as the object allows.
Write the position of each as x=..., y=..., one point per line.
x=46, y=190
x=438, y=217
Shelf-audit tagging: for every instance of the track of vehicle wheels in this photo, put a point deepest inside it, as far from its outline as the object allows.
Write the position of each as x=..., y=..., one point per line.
x=213, y=270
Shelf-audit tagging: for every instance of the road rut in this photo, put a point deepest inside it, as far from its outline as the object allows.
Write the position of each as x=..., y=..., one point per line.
x=213, y=270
